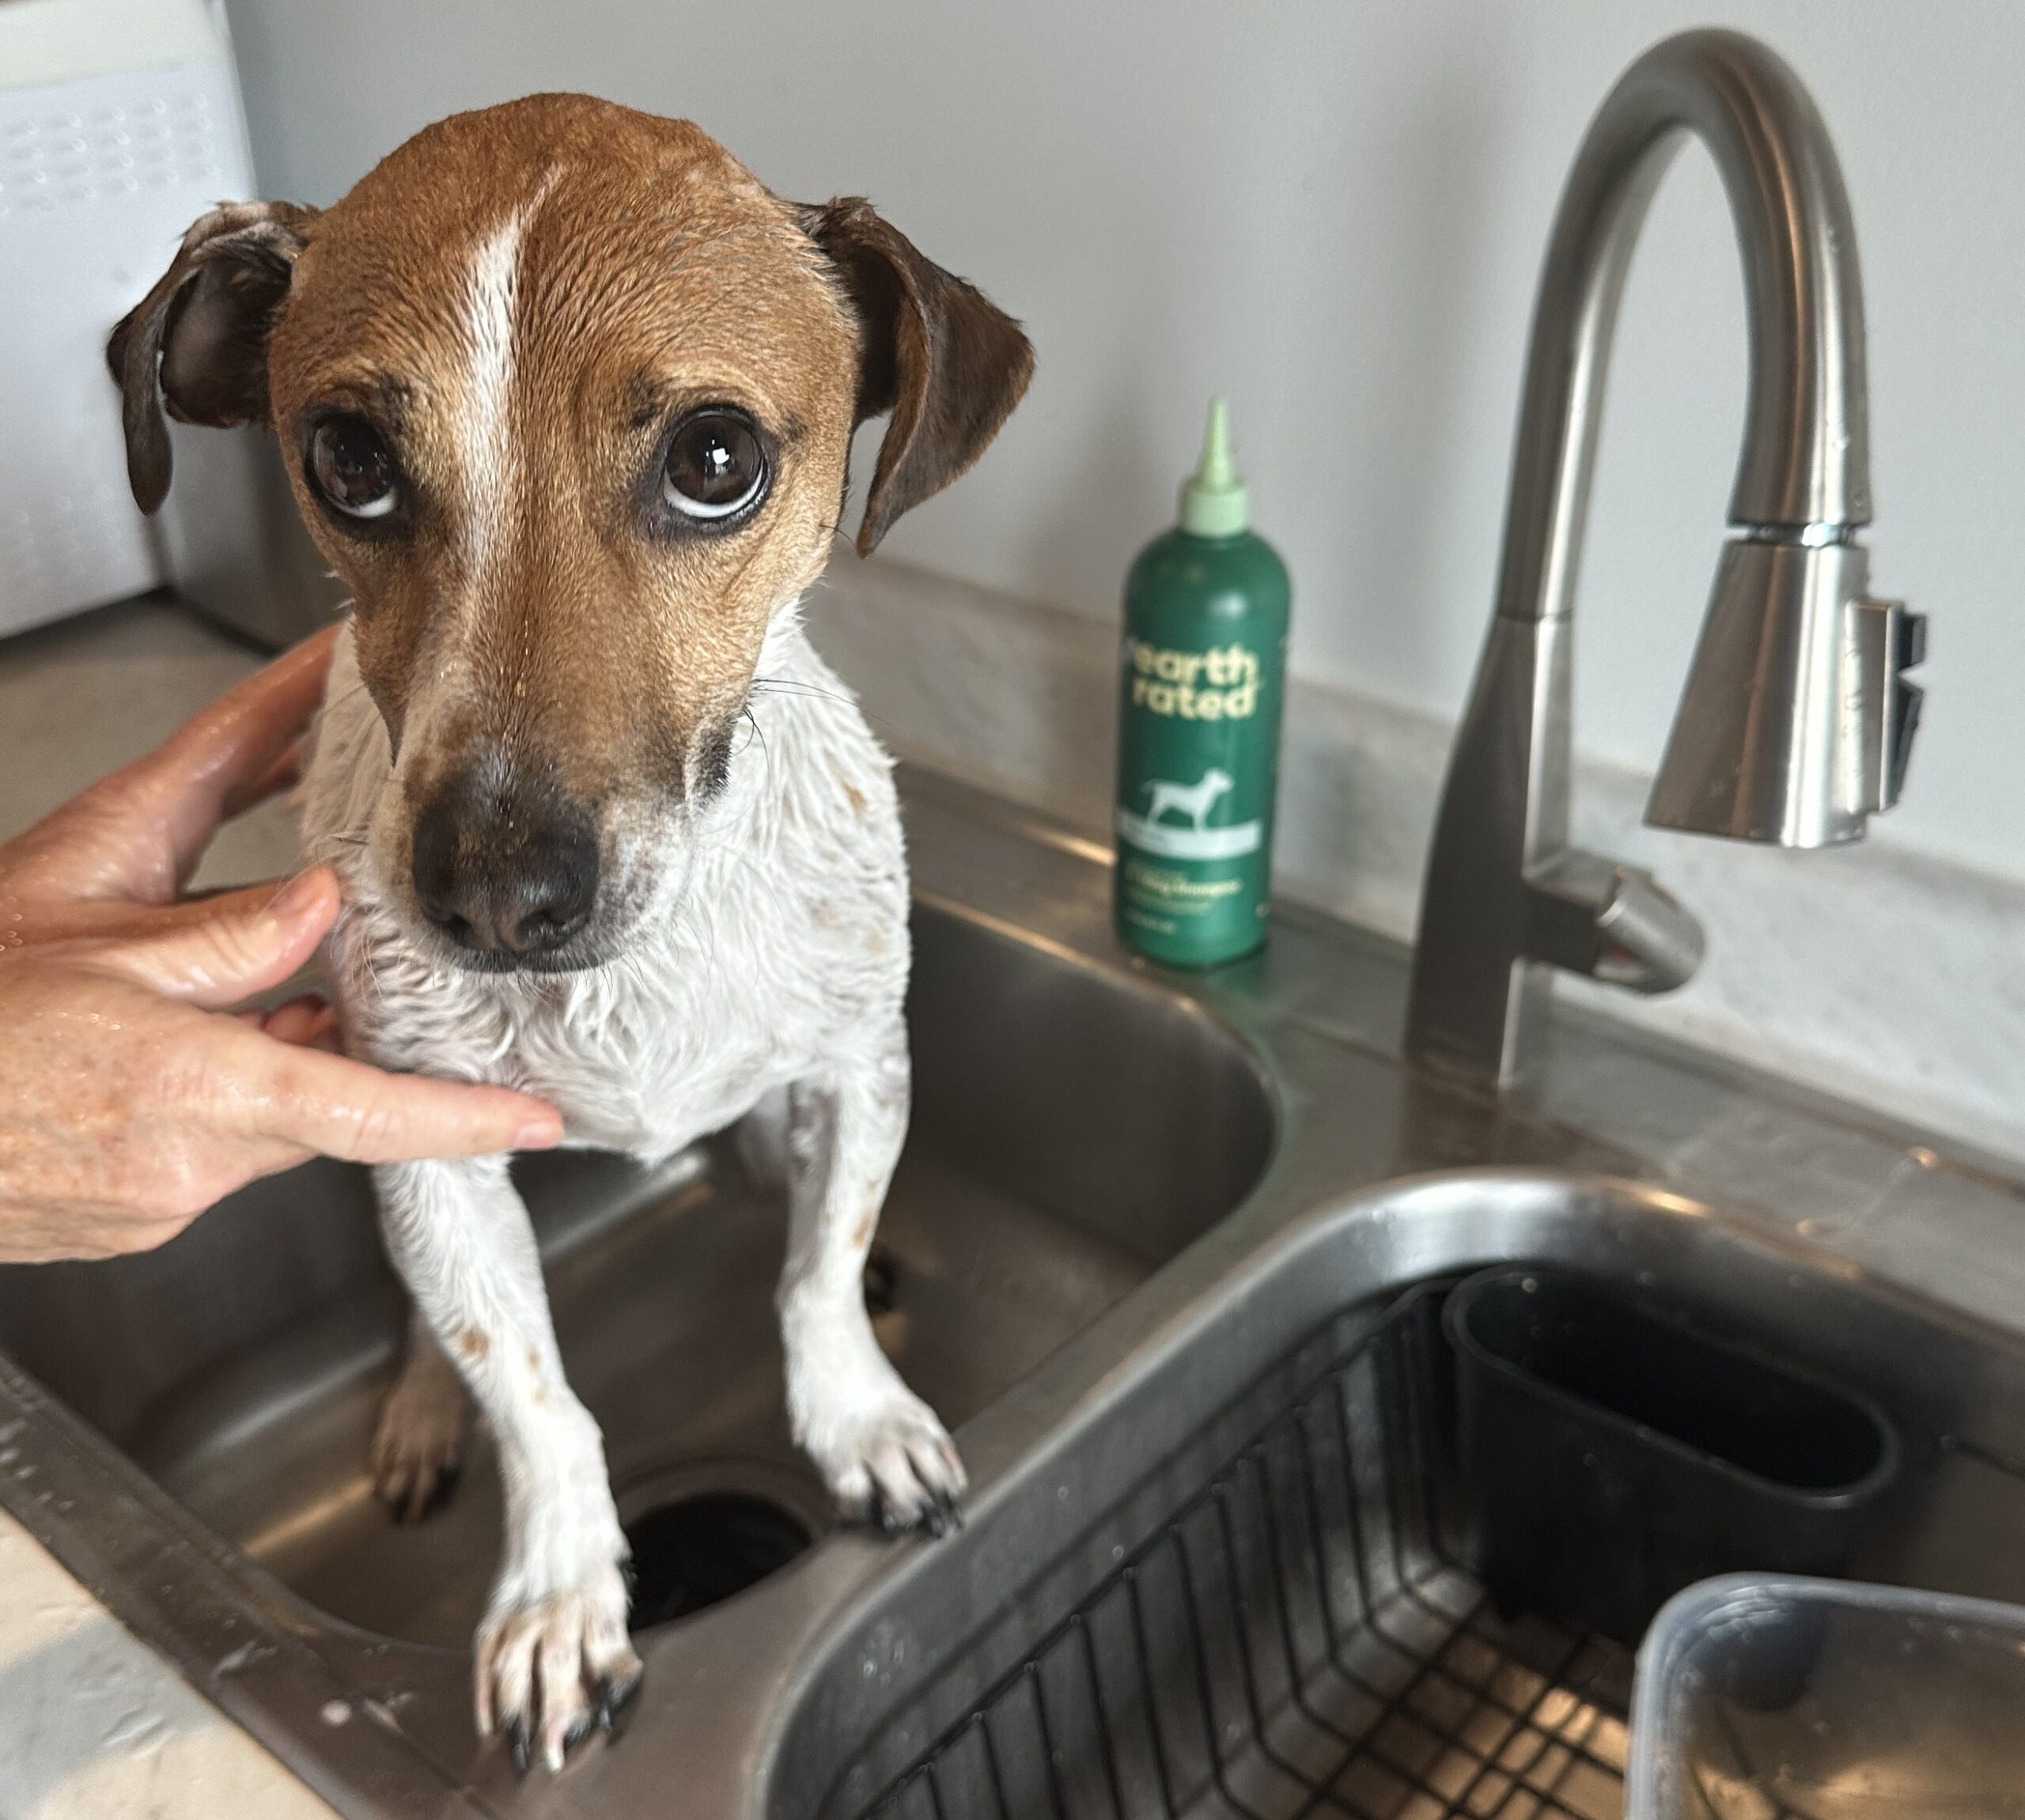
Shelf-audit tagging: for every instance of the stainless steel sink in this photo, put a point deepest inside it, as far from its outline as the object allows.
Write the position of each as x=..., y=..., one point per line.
x=1072, y=1131
x=1133, y=1204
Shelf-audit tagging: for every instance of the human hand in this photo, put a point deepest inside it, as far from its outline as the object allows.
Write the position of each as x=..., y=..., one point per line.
x=131, y=1097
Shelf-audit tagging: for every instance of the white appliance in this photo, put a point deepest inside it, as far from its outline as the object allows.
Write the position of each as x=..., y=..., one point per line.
x=121, y=123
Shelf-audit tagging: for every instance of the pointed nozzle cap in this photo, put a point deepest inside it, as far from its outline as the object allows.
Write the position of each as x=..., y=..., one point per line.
x=1213, y=502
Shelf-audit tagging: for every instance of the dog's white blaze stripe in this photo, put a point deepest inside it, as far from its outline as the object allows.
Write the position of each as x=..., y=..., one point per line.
x=484, y=422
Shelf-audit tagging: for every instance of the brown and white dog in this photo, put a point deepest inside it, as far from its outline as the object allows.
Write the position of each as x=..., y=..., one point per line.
x=566, y=396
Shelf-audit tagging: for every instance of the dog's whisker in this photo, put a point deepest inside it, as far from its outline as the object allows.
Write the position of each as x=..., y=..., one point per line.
x=796, y=686
x=783, y=686
x=759, y=734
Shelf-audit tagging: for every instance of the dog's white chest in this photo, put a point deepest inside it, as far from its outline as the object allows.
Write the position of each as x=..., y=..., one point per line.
x=678, y=1043
x=645, y=1071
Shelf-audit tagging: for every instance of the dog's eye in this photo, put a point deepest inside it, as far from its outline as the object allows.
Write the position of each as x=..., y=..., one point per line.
x=351, y=466
x=715, y=467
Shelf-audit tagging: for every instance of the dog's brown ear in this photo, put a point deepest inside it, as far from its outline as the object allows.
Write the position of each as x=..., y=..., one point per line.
x=198, y=342
x=948, y=363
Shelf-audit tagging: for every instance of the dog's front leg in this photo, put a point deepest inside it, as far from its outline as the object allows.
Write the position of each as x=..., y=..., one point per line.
x=553, y=1652
x=881, y=1449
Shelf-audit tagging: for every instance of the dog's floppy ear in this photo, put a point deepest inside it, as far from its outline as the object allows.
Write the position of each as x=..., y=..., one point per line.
x=198, y=342
x=948, y=363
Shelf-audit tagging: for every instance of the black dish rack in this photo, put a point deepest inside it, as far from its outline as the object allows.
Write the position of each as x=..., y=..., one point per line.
x=1299, y=1637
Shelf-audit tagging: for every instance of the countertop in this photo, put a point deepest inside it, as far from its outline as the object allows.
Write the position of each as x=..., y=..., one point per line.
x=93, y=1724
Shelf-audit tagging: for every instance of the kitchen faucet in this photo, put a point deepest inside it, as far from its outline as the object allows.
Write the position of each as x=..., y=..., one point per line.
x=1796, y=721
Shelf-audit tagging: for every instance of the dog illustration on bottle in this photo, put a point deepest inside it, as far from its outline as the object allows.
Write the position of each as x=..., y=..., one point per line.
x=1195, y=802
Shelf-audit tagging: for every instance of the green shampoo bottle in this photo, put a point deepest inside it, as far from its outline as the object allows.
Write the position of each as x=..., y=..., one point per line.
x=1203, y=674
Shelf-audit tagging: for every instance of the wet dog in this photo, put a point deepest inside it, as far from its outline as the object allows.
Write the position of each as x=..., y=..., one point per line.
x=567, y=397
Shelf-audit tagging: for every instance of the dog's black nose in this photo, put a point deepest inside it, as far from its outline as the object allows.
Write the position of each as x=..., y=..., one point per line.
x=510, y=871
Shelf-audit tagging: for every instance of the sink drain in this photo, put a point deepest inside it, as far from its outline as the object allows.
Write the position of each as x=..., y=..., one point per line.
x=695, y=1551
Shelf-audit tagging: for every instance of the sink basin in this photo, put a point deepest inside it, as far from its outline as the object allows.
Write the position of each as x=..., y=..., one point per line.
x=1142, y=1217
x=1071, y=1131
x=1248, y=1584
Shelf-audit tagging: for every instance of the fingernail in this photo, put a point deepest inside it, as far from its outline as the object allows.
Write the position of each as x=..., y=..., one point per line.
x=294, y=897
x=542, y=1133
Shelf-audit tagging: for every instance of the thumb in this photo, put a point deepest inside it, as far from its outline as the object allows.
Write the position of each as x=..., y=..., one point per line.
x=216, y=961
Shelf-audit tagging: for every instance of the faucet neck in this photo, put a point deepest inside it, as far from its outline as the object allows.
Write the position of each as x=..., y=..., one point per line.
x=1804, y=469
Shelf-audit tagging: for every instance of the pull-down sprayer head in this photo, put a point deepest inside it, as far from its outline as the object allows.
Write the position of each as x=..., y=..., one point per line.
x=1796, y=722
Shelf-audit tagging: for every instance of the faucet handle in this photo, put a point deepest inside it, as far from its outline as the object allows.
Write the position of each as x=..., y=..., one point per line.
x=1886, y=639
x=1614, y=922
x=1908, y=651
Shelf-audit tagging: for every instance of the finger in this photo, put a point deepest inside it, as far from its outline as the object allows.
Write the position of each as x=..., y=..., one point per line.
x=111, y=920
x=289, y=1023
x=346, y=1108
x=283, y=774
x=227, y=750
x=216, y=960
x=300, y=1022
x=141, y=831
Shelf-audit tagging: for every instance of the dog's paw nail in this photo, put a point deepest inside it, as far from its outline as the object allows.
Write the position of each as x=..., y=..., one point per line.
x=517, y=1742
x=614, y=1700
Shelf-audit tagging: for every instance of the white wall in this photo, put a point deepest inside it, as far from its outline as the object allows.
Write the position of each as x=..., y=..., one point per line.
x=1335, y=212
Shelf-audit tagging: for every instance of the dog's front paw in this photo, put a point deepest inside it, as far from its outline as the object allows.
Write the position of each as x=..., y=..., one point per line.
x=550, y=1668
x=418, y=1447
x=889, y=1462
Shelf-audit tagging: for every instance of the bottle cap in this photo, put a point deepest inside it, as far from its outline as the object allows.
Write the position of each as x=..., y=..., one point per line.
x=1213, y=502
